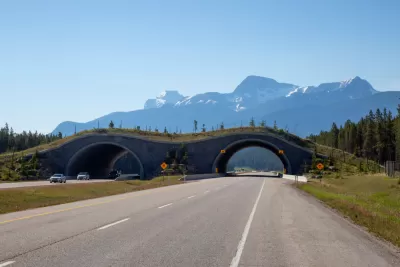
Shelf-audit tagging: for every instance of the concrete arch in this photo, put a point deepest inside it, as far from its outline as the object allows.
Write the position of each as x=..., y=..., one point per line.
x=98, y=159
x=221, y=160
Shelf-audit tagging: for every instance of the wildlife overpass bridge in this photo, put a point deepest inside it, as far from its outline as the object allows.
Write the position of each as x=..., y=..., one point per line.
x=97, y=153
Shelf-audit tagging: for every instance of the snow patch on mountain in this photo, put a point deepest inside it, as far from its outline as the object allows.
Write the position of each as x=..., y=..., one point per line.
x=166, y=97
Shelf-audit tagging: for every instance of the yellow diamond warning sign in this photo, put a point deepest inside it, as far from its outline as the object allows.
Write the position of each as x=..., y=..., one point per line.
x=320, y=166
x=164, y=165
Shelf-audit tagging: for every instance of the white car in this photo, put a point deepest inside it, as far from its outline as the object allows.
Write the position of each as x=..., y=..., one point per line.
x=83, y=176
x=58, y=178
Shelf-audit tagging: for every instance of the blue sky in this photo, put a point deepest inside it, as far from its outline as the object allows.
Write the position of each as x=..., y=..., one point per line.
x=78, y=60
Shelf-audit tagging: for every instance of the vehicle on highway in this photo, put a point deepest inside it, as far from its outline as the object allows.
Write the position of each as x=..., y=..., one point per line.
x=58, y=178
x=83, y=176
x=114, y=174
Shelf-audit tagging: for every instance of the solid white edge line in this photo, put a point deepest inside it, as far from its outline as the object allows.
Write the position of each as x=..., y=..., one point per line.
x=192, y=196
x=111, y=224
x=169, y=204
x=6, y=263
x=235, y=261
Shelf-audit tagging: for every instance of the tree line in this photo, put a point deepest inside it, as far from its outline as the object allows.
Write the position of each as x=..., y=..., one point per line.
x=11, y=141
x=375, y=136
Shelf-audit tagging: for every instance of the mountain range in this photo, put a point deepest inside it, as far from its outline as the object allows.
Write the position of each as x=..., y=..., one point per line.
x=302, y=110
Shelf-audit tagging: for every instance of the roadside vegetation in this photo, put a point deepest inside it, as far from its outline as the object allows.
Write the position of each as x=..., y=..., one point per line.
x=353, y=180
x=17, y=199
x=375, y=137
x=370, y=200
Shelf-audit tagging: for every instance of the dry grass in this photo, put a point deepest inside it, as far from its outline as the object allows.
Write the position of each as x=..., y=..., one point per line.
x=372, y=201
x=17, y=199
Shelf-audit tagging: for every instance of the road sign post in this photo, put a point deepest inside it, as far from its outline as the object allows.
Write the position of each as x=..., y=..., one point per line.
x=164, y=166
x=320, y=167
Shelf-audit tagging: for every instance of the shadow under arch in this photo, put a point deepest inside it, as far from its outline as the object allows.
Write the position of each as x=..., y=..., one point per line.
x=222, y=159
x=99, y=159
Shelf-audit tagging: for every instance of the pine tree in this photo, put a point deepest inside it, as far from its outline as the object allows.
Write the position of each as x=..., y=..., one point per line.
x=369, y=141
x=397, y=134
x=334, y=135
x=111, y=125
x=380, y=136
x=221, y=127
x=195, y=125
x=275, y=126
x=252, y=123
x=203, y=129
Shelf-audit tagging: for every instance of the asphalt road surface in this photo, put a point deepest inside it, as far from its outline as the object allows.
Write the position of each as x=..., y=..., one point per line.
x=235, y=221
x=42, y=183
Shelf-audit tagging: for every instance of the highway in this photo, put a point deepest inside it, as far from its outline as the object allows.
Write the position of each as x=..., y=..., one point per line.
x=235, y=221
x=44, y=183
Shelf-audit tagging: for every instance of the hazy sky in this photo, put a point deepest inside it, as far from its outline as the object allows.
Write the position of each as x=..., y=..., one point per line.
x=78, y=60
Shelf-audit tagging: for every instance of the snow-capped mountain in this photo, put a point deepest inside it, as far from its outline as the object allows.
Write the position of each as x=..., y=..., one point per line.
x=256, y=90
x=166, y=97
x=353, y=88
x=255, y=96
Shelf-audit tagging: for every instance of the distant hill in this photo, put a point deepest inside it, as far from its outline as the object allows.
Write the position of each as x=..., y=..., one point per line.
x=301, y=109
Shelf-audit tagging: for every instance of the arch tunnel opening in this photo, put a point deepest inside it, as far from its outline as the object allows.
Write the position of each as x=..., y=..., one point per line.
x=253, y=154
x=254, y=159
x=101, y=158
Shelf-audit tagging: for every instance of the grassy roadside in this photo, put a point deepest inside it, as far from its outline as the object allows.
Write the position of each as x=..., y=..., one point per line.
x=17, y=199
x=372, y=201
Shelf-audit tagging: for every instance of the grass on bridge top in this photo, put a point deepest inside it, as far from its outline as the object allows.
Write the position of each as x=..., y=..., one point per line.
x=168, y=137
x=372, y=201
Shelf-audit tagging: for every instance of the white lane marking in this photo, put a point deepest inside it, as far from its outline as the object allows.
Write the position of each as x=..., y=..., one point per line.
x=169, y=204
x=192, y=196
x=111, y=224
x=206, y=191
x=6, y=263
x=235, y=261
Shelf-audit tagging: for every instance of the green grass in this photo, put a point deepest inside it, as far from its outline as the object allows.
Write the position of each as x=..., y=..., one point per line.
x=348, y=162
x=17, y=199
x=372, y=201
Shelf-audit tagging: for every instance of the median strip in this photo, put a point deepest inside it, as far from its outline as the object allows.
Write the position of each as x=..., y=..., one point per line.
x=23, y=198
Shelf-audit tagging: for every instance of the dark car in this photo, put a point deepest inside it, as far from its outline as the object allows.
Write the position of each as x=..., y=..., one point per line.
x=113, y=174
